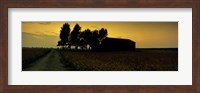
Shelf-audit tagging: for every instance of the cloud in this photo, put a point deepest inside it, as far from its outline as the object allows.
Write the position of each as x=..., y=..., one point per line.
x=46, y=32
x=95, y=27
x=41, y=23
x=44, y=23
x=38, y=40
x=119, y=37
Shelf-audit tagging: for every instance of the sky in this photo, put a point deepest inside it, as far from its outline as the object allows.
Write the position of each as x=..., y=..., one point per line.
x=145, y=34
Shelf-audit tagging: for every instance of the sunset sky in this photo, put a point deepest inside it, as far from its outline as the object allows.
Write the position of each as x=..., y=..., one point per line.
x=145, y=34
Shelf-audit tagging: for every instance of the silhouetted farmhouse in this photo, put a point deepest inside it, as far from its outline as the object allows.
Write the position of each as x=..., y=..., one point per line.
x=116, y=44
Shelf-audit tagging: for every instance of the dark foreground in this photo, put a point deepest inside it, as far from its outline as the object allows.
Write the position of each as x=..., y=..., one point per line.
x=57, y=60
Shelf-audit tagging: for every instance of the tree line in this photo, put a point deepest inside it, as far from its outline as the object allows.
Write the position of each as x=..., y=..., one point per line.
x=82, y=39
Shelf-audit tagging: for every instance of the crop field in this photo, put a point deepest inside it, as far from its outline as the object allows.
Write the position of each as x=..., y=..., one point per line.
x=29, y=55
x=122, y=60
x=43, y=59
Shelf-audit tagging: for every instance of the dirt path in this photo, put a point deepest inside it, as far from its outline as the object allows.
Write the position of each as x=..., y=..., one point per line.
x=50, y=62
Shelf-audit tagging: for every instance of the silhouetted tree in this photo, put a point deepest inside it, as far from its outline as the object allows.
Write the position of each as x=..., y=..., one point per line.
x=88, y=37
x=64, y=34
x=95, y=39
x=74, y=39
x=59, y=43
x=82, y=41
x=95, y=34
x=102, y=34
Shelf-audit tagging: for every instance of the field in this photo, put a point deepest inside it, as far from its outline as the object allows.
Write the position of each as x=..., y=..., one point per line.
x=29, y=55
x=122, y=61
x=41, y=59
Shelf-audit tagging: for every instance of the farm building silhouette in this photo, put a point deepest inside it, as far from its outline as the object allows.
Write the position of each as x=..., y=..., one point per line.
x=115, y=44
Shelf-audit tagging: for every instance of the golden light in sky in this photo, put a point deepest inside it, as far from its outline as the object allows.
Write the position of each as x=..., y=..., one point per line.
x=145, y=34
